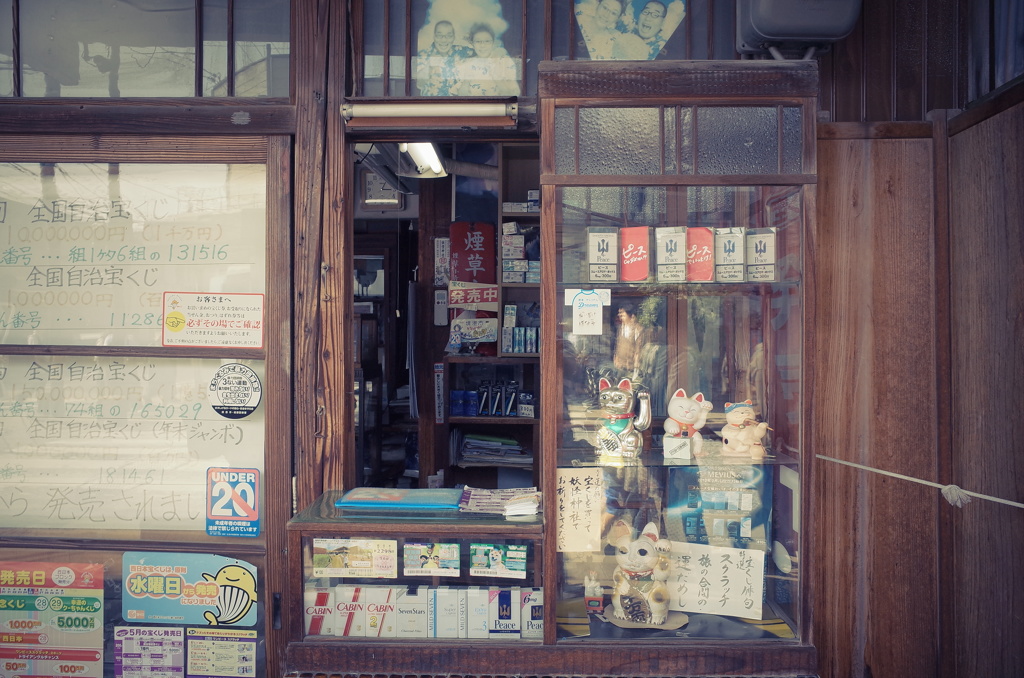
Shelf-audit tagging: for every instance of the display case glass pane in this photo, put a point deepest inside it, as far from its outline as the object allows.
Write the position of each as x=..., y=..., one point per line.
x=737, y=140
x=678, y=457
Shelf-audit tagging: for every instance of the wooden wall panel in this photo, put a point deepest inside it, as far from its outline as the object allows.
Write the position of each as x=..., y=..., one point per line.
x=875, y=610
x=987, y=308
x=903, y=59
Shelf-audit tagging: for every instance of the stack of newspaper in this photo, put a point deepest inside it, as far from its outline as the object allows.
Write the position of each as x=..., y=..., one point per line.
x=519, y=501
x=475, y=449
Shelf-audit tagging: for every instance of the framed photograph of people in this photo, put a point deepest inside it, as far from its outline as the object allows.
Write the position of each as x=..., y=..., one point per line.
x=634, y=30
x=468, y=47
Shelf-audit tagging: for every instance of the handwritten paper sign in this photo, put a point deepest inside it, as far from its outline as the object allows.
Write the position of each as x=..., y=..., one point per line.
x=580, y=497
x=716, y=580
x=116, y=442
x=87, y=250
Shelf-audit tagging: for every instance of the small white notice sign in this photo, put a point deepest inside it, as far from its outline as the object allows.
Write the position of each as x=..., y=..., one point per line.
x=213, y=320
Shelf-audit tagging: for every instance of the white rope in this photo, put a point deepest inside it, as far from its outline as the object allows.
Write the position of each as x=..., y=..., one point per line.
x=953, y=494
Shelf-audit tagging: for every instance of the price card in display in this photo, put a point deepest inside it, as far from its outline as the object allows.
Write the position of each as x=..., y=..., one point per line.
x=368, y=558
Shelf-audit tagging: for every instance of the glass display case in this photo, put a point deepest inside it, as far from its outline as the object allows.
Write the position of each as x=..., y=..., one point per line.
x=677, y=208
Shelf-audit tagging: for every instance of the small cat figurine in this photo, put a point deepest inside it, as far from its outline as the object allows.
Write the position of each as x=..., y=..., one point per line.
x=639, y=591
x=619, y=434
x=686, y=416
x=741, y=435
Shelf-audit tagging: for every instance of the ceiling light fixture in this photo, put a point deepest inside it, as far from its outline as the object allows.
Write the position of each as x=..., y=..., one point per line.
x=406, y=114
x=425, y=156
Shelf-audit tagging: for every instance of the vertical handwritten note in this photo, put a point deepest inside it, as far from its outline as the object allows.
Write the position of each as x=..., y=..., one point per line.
x=87, y=250
x=117, y=442
x=716, y=580
x=580, y=504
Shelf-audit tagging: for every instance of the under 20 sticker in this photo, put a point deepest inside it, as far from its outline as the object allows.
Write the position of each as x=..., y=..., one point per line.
x=232, y=502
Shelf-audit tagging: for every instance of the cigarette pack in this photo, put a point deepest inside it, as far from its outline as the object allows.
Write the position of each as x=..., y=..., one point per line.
x=513, y=276
x=700, y=254
x=504, y=615
x=530, y=341
x=380, y=612
x=761, y=255
x=477, y=600
x=670, y=253
x=318, y=602
x=513, y=240
x=411, y=612
x=519, y=339
x=349, y=610
x=730, y=251
x=443, y=612
x=506, y=339
x=603, y=254
x=515, y=265
x=463, y=613
x=532, y=613
x=511, y=310
x=635, y=259
x=513, y=252
x=510, y=227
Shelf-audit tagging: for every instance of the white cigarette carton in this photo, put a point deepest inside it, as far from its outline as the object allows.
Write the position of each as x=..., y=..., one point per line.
x=411, y=612
x=532, y=613
x=670, y=253
x=349, y=610
x=380, y=612
x=443, y=613
x=318, y=603
x=504, y=613
x=761, y=257
x=477, y=601
x=730, y=253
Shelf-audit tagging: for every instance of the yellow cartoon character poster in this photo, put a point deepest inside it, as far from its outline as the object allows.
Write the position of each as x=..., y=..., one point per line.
x=189, y=588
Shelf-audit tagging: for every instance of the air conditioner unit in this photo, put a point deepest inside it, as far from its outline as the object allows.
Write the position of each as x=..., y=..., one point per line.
x=787, y=28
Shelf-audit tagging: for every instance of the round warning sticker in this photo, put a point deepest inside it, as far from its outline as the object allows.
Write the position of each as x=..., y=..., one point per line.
x=235, y=391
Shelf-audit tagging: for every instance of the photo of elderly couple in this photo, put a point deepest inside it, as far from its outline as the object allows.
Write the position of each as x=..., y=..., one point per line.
x=461, y=51
x=634, y=30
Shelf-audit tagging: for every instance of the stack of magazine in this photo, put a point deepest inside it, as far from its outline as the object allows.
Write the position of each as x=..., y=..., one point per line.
x=519, y=501
x=476, y=449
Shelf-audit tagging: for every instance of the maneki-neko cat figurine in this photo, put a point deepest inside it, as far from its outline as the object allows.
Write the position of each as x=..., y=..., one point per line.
x=686, y=417
x=639, y=592
x=619, y=434
x=742, y=433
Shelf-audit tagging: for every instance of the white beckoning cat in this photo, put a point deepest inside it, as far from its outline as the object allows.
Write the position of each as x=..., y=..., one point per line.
x=686, y=416
x=639, y=592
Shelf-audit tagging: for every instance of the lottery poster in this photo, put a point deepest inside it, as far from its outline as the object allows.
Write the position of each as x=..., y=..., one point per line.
x=51, y=619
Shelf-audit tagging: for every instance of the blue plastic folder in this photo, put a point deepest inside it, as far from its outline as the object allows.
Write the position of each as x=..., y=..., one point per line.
x=400, y=499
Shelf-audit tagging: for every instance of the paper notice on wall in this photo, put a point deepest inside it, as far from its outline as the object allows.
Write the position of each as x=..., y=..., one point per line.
x=716, y=580
x=580, y=497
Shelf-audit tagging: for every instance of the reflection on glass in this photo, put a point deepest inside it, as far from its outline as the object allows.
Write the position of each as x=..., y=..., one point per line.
x=108, y=49
x=215, y=53
x=93, y=249
x=6, y=52
x=261, y=49
x=120, y=442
